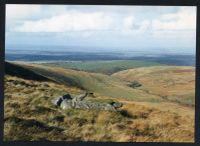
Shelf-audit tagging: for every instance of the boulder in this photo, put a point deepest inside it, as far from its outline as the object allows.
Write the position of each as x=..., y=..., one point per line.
x=77, y=102
x=93, y=105
x=57, y=101
x=117, y=104
x=66, y=104
x=67, y=96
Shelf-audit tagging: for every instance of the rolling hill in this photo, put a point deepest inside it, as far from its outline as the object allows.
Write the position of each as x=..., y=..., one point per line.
x=93, y=82
x=145, y=117
x=173, y=83
x=159, y=83
x=105, y=67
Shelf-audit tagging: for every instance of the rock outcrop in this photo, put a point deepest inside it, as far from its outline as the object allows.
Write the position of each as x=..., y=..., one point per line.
x=77, y=102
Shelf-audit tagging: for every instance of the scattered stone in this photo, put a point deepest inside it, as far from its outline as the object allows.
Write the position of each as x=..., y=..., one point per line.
x=117, y=104
x=77, y=102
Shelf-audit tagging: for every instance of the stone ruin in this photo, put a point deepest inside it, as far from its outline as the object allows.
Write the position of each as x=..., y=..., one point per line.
x=78, y=102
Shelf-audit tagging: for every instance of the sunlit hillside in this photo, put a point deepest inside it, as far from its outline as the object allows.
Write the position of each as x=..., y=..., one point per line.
x=30, y=115
x=173, y=83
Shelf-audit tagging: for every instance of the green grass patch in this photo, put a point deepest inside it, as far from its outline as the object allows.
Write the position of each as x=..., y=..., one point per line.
x=107, y=67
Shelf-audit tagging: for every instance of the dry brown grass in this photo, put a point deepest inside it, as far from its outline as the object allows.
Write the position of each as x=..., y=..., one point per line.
x=93, y=82
x=29, y=115
x=176, y=83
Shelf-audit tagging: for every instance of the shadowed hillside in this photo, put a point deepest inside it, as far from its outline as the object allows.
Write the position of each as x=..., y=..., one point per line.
x=20, y=71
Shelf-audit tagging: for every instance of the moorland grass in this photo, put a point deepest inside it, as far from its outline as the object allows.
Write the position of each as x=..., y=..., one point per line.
x=30, y=116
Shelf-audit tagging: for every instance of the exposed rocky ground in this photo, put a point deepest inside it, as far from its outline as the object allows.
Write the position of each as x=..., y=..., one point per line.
x=77, y=102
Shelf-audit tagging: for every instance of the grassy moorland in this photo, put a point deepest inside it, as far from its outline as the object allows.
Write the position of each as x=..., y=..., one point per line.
x=147, y=115
x=92, y=82
x=29, y=115
x=173, y=83
x=106, y=67
x=159, y=83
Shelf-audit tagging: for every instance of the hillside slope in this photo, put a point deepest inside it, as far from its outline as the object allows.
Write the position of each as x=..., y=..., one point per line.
x=30, y=116
x=105, y=67
x=173, y=83
x=20, y=71
x=93, y=82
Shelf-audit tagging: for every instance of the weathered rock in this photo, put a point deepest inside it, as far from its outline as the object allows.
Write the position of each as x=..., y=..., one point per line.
x=77, y=102
x=57, y=101
x=67, y=96
x=117, y=104
x=93, y=105
x=66, y=104
x=80, y=97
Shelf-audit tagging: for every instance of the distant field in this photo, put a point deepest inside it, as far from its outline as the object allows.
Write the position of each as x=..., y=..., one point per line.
x=107, y=67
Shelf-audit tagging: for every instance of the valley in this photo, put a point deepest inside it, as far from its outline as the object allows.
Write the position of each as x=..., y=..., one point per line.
x=160, y=109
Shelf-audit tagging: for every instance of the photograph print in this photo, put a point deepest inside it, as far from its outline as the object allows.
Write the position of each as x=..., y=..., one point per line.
x=99, y=73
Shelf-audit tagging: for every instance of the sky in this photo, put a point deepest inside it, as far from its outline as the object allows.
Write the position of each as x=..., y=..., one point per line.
x=119, y=27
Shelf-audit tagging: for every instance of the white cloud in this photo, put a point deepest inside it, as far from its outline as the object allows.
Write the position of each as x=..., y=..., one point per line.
x=129, y=22
x=171, y=34
x=87, y=24
x=132, y=27
x=185, y=18
x=14, y=11
x=70, y=21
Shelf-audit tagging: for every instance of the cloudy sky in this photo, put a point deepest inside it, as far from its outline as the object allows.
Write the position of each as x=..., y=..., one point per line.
x=125, y=27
